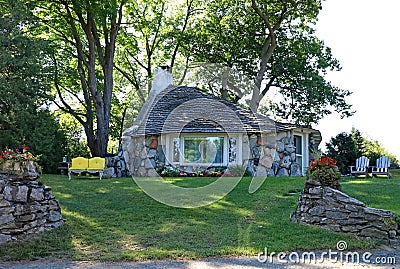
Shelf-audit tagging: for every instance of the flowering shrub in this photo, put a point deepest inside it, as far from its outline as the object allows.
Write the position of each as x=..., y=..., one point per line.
x=20, y=154
x=323, y=170
x=168, y=171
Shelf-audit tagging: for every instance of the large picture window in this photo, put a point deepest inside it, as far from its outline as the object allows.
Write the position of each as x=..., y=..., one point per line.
x=203, y=150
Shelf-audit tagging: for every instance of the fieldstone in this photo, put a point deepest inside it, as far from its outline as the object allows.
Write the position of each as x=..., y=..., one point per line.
x=150, y=163
x=290, y=148
x=282, y=172
x=336, y=215
x=374, y=233
x=255, y=152
x=152, y=153
x=22, y=194
x=316, y=190
x=4, y=203
x=5, y=238
x=286, y=140
x=313, y=182
x=55, y=216
x=392, y=234
x=36, y=195
x=26, y=218
x=285, y=162
x=6, y=210
x=295, y=170
x=352, y=208
x=332, y=227
x=160, y=154
x=378, y=212
x=349, y=200
x=261, y=172
x=293, y=157
x=8, y=193
x=6, y=218
x=266, y=161
x=136, y=162
x=280, y=147
x=152, y=173
x=108, y=172
x=275, y=155
x=141, y=172
x=143, y=154
x=317, y=211
x=154, y=143
x=271, y=172
x=350, y=229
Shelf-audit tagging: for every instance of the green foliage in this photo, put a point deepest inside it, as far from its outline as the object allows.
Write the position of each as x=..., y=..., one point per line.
x=373, y=150
x=347, y=147
x=75, y=145
x=230, y=33
x=24, y=119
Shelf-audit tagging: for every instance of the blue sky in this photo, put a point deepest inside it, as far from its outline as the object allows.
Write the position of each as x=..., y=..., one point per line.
x=364, y=36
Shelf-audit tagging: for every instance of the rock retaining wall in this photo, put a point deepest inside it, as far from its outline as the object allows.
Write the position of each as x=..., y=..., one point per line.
x=26, y=207
x=336, y=211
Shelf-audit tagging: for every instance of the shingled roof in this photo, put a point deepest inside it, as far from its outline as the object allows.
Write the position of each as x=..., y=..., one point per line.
x=191, y=110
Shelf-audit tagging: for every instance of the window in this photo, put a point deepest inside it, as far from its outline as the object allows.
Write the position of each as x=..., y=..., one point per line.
x=203, y=150
x=232, y=149
x=177, y=149
x=299, y=151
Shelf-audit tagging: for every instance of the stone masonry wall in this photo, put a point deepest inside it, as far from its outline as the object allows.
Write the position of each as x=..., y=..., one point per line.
x=143, y=155
x=26, y=207
x=336, y=211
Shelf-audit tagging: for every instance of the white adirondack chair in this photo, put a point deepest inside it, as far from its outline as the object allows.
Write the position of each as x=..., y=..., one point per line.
x=361, y=167
x=382, y=167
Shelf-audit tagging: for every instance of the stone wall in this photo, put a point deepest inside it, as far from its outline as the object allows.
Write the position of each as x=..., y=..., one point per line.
x=278, y=159
x=143, y=155
x=116, y=166
x=262, y=159
x=336, y=211
x=26, y=207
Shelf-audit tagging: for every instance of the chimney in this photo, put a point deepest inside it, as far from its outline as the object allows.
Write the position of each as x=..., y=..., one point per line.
x=162, y=79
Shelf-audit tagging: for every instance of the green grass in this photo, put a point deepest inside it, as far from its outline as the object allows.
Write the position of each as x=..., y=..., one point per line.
x=114, y=220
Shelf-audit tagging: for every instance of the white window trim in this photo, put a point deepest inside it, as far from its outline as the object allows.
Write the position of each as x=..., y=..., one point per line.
x=304, y=151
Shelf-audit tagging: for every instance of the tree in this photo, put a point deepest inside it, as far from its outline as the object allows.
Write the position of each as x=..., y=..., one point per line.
x=274, y=44
x=151, y=40
x=24, y=119
x=84, y=37
x=347, y=147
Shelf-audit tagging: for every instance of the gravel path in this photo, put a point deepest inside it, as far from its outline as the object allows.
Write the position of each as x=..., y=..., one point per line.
x=392, y=255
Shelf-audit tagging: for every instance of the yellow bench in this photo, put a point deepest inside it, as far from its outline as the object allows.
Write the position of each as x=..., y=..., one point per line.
x=92, y=165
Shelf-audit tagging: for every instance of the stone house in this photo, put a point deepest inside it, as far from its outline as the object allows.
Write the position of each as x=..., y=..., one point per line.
x=191, y=130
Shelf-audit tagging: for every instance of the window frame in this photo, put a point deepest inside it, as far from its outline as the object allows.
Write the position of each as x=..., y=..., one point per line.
x=203, y=135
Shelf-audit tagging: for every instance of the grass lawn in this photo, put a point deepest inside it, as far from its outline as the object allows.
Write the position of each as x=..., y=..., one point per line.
x=114, y=220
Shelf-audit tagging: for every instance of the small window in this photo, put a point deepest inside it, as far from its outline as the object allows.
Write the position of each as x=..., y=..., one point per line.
x=232, y=149
x=299, y=149
x=177, y=150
